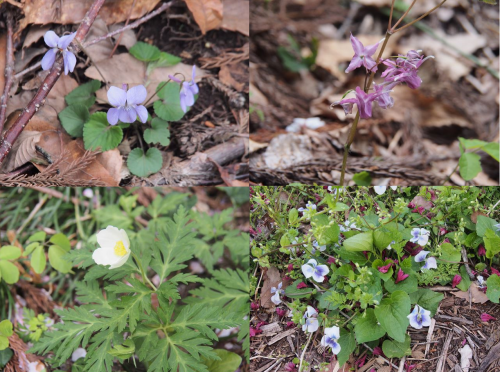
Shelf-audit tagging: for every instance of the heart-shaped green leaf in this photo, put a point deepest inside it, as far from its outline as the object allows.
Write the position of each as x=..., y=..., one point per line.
x=470, y=165
x=84, y=94
x=9, y=272
x=158, y=133
x=38, y=260
x=56, y=259
x=145, y=52
x=392, y=314
x=169, y=106
x=360, y=242
x=143, y=165
x=98, y=134
x=73, y=118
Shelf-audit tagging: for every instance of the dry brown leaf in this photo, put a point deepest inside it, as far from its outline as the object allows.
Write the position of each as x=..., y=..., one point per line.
x=34, y=34
x=128, y=39
x=73, y=11
x=102, y=50
x=255, y=146
x=271, y=279
x=24, y=57
x=125, y=69
x=476, y=295
x=420, y=201
x=235, y=75
x=208, y=14
x=257, y=97
x=3, y=49
x=474, y=216
x=236, y=16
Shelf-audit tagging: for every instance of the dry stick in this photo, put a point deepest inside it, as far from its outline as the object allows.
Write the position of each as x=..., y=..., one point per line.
x=9, y=70
x=121, y=34
x=49, y=82
x=304, y=352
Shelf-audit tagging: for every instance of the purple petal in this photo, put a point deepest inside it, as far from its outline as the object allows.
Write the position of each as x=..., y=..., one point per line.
x=188, y=94
x=69, y=62
x=370, y=64
x=421, y=256
x=173, y=78
x=117, y=97
x=355, y=63
x=193, y=73
x=64, y=41
x=51, y=39
x=48, y=59
x=183, y=102
x=136, y=95
x=193, y=87
x=322, y=270
x=357, y=45
x=371, y=49
x=318, y=277
x=132, y=114
x=142, y=112
x=430, y=263
x=113, y=114
x=124, y=116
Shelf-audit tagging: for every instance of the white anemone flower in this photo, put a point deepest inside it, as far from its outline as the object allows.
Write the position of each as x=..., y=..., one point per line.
x=114, y=247
x=311, y=324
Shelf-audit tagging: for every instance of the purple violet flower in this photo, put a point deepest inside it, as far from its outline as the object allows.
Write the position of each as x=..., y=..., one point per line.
x=188, y=90
x=419, y=317
x=330, y=339
x=56, y=44
x=127, y=104
x=362, y=56
x=363, y=101
x=318, y=272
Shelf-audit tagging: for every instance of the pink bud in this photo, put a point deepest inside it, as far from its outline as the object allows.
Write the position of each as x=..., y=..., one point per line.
x=456, y=280
x=331, y=260
x=385, y=269
x=254, y=306
x=446, y=240
x=361, y=361
x=378, y=351
x=481, y=251
x=290, y=367
x=290, y=324
x=487, y=317
x=290, y=267
x=254, y=331
x=401, y=276
x=281, y=313
x=495, y=271
x=301, y=285
x=442, y=231
x=411, y=205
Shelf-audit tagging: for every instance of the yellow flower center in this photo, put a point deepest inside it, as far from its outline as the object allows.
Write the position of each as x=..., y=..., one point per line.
x=120, y=249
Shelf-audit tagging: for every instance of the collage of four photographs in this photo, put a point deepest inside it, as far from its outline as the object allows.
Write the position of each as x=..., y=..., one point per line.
x=249, y=185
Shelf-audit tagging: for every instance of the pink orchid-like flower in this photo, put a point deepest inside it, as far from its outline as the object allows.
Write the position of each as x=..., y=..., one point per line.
x=290, y=267
x=456, y=280
x=363, y=56
x=405, y=69
x=495, y=271
x=290, y=324
x=401, y=276
x=281, y=312
x=485, y=317
x=362, y=100
x=378, y=351
x=385, y=269
x=331, y=260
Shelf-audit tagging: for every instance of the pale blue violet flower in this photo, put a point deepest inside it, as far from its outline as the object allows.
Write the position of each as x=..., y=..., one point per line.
x=497, y=226
x=420, y=236
x=363, y=56
x=311, y=324
x=430, y=263
x=127, y=104
x=330, y=339
x=318, y=272
x=310, y=205
x=188, y=90
x=348, y=226
x=419, y=317
x=481, y=281
x=277, y=291
x=59, y=44
x=382, y=189
x=317, y=246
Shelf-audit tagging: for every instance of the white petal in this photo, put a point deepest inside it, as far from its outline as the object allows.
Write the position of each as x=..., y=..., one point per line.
x=420, y=257
x=313, y=325
x=78, y=353
x=121, y=261
x=108, y=237
x=333, y=332
x=312, y=262
x=276, y=298
x=380, y=189
x=307, y=270
x=311, y=311
x=105, y=256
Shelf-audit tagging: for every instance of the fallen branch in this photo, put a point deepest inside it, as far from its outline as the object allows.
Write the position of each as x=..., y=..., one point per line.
x=9, y=70
x=38, y=100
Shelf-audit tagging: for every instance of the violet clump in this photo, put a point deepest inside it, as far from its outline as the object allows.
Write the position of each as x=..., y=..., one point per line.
x=188, y=90
x=127, y=104
x=59, y=44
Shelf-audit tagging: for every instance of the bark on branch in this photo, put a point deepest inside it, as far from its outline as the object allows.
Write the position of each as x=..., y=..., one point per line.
x=38, y=100
x=9, y=71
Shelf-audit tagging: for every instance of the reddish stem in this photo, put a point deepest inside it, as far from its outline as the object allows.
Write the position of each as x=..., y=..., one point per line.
x=9, y=72
x=39, y=99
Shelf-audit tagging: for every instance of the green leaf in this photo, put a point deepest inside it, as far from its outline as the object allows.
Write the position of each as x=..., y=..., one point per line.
x=392, y=314
x=409, y=285
x=10, y=252
x=450, y=254
x=484, y=223
x=293, y=292
x=470, y=165
x=38, y=237
x=124, y=351
x=293, y=216
x=84, y=94
x=362, y=179
x=159, y=132
x=56, y=254
x=493, y=150
x=169, y=106
x=165, y=60
x=229, y=361
x=465, y=282
x=142, y=165
x=493, y=290
x=394, y=349
x=367, y=327
x=347, y=343
x=30, y=248
x=61, y=240
x=290, y=61
x=98, y=134
x=360, y=242
x=73, y=118
x=6, y=331
x=427, y=299
x=491, y=243
x=38, y=260
x=9, y=272
x=5, y=355
x=145, y=52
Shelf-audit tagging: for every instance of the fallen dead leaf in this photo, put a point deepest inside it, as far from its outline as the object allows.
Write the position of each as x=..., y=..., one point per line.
x=128, y=39
x=34, y=34
x=208, y=14
x=236, y=16
x=255, y=146
x=73, y=11
x=476, y=214
x=235, y=75
x=420, y=201
x=271, y=279
x=102, y=50
x=476, y=295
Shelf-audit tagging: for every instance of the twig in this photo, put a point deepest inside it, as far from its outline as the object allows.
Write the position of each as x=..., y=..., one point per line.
x=132, y=25
x=9, y=70
x=304, y=352
x=39, y=99
x=121, y=34
x=29, y=69
x=444, y=352
x=429, y=336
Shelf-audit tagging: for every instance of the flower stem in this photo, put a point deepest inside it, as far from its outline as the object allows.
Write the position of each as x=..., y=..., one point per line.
x=419, y=18
x=144, y=277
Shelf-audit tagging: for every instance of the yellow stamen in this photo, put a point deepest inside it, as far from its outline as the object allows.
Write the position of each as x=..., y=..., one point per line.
x=120, y=249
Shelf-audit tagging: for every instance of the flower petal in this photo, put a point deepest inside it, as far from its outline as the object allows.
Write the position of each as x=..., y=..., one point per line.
x=357, y=46
x=125, y=116
x=105, y=256
x=420, y=257
x=136, y=95
x=193, y=74
x=69, y=62
x=333, y=332
x=113, y=114
x=188, y=94
x=121, y=261
x=322, y=270
x=336, y=348
x=307, y=270
x=51, y=39
x=117, y=97
x=356, y=62
x=64, y=41
x=142, y=112
x=108, y=237
x=48, y=59
x=312, y=325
